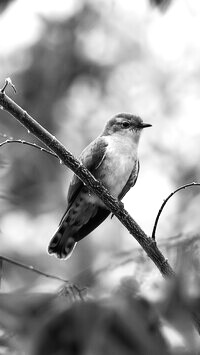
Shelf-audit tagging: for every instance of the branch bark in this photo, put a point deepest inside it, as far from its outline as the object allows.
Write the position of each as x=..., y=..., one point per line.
x=88, y=179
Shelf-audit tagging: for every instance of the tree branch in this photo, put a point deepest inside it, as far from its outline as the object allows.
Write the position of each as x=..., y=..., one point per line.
x=164, y=203
x=88, y=179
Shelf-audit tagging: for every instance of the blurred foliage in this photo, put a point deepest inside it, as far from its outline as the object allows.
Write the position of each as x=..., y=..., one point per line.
x=4, y=4
x=161, y=4
x=122, y=323
x=42, y=84
x=130, y=319
x=98, y=59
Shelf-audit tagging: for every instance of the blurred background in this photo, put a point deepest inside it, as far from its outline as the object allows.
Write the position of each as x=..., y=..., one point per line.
x=75, y=64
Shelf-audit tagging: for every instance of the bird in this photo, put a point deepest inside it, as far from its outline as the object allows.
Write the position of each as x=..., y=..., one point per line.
x=112, y=158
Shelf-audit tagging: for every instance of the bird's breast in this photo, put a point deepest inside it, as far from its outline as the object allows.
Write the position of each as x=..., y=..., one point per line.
x=121, y=156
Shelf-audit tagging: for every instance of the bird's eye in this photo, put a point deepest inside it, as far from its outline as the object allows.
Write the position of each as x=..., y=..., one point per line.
x=125, y=124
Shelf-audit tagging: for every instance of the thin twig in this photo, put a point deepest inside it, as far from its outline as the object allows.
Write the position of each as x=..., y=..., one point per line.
x=8, y=81
x=33, y=269
x=164, y=203
x=73, y=288
x=88, y=179
x=34, y=145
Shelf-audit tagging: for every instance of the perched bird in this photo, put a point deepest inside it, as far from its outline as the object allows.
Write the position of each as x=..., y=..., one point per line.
x=113, y=159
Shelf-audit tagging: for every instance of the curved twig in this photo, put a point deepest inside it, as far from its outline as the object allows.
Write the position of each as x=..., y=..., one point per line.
x=164, y=203
x=30, y=144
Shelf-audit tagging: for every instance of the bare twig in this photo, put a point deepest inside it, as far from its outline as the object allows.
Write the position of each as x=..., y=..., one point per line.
x=164, y=203
x=8, y=81
x=94, y=185
x=34, y=145
x=68, y=286
x=73, y=291
x=33, y=269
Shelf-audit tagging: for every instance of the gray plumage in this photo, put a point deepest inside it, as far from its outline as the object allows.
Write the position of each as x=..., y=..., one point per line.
x=111, y=158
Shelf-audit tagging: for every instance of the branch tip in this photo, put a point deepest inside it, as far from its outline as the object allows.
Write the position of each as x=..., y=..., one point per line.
x=8, y=81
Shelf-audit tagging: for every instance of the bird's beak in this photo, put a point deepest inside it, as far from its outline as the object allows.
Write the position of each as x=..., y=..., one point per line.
x=144, y=125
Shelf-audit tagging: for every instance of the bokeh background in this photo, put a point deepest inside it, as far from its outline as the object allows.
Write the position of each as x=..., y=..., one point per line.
x=75, y=64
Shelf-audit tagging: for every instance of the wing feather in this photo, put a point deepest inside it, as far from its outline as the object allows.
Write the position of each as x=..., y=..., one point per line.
x=92, y=157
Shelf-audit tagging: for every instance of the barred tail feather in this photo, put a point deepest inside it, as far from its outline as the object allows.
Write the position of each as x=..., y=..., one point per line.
x=62, y=244
x=65, y=239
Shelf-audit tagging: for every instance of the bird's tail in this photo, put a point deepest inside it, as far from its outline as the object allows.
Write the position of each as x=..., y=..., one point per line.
x=62, y=244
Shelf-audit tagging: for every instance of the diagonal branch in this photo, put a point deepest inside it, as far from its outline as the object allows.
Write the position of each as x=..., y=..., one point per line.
x=88, y=179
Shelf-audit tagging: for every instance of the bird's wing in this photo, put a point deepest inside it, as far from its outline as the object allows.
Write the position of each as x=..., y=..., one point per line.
x=91, y=157
x=131, y=180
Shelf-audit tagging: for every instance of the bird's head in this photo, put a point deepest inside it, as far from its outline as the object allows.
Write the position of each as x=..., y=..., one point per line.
x=125, y=124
